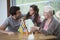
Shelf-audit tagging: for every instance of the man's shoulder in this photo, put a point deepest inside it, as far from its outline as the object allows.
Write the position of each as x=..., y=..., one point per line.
x=9, y=18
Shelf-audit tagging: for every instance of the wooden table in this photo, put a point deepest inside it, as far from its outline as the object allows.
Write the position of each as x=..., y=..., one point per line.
x=25, y=37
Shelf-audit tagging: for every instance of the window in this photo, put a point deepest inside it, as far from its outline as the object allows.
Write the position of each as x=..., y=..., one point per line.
x=25, y=4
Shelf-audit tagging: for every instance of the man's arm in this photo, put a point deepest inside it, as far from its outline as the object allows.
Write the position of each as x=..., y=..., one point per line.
x=4, y=26
x=2, y=30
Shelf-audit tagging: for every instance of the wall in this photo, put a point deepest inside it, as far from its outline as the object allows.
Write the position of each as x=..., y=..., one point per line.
x=3, y=10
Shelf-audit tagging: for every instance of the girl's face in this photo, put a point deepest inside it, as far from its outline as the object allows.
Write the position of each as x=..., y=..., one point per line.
x=31, y=11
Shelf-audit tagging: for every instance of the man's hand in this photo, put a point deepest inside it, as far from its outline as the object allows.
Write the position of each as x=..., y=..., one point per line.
x=10, y=33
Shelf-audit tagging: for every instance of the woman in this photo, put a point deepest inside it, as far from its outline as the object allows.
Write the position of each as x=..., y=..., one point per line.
x=50, y=26
x=33, y=14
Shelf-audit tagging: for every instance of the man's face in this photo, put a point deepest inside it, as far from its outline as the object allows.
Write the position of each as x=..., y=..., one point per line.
x=18, y=14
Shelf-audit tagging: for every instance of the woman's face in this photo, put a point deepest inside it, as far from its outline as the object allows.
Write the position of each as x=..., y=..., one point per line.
x=31, y=11
x=46, y=15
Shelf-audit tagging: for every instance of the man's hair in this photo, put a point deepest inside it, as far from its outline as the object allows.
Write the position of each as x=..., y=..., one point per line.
x=13, y=10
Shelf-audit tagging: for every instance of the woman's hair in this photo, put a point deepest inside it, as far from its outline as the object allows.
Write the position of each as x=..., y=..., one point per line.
x=53, y=12
x=13, y=10
x=36, y=13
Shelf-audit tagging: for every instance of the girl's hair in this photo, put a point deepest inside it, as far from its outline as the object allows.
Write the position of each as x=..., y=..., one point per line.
x=36, y=13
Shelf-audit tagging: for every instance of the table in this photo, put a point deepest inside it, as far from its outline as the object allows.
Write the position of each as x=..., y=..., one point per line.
x=19, y=36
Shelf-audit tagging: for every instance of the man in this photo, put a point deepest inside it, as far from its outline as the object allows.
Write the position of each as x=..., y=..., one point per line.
x=12, y=22
x=50, y=26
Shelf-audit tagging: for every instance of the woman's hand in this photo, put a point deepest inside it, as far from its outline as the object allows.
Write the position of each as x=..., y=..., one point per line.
x=34, y=28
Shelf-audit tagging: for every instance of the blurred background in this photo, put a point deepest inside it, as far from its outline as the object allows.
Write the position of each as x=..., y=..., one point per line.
x=24, y=5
